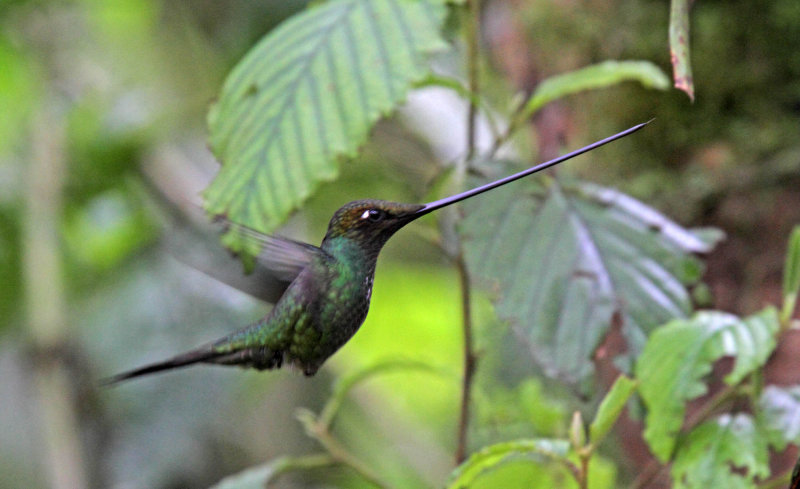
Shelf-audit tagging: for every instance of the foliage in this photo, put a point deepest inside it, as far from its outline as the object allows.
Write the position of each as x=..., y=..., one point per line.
x=607, y=254
x=715, y=447
x=489, y=458
x=779, y=409
x=680, y=354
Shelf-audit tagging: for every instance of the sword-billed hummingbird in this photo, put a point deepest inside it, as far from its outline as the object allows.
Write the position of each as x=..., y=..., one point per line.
x=329, y=286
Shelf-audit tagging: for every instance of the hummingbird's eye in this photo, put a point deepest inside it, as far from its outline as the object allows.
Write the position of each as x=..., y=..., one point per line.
x=373, y=215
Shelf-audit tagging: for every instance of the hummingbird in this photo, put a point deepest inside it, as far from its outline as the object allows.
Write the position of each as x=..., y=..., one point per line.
x=329, y=286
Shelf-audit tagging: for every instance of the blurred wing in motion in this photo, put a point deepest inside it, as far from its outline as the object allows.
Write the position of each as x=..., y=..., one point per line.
x=284, y=257
x=194, y=241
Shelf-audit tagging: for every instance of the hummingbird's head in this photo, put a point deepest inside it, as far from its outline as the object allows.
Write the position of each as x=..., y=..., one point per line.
x=371, y=221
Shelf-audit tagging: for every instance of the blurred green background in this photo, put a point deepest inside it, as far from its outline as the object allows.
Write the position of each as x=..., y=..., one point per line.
x=113, y=92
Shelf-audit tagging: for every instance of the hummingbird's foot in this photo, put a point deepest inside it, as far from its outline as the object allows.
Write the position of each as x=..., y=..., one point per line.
x=261, y=358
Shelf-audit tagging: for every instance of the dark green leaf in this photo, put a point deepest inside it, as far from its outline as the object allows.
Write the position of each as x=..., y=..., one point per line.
x=563, y=260
x=307, y=95
x=610, y=408
x=682, y=352
x=494, y=456
x=710, y=452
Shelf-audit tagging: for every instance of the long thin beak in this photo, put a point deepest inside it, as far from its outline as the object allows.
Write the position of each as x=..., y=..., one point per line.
x=437, y=204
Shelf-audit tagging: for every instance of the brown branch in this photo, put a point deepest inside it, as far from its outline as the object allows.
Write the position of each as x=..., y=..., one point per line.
x=472, y=40
x=470, y=360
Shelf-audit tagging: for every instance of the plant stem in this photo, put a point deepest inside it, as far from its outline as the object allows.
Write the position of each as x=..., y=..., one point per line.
x=707, y=409
x=319, y=431
x=339, y=453
x=44, y=295
x=469, y=360
x=573, y=469
x=650, y=471
x=472, y=40
x=583, y=481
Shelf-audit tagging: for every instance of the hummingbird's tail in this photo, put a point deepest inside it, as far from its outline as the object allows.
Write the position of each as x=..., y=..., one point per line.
x=223, y=352
x=200, y=355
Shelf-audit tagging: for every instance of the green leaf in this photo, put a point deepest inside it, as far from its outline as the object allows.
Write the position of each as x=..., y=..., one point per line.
x=594, y=77
x=679, y=46
x=610, y=408
x=679, y=354
x=791, y=276
x=779, y=415
x=791, y=272
x=710, y=452
x=258, y=477
x=562, y=261
x=307, y=95
x=494, y=456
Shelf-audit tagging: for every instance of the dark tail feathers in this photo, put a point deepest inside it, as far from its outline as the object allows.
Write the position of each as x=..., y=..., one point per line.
x=205, y=355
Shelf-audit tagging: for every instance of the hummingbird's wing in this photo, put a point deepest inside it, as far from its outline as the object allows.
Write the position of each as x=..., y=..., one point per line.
x=284, y=257
x=192, y=239
x=195, y=242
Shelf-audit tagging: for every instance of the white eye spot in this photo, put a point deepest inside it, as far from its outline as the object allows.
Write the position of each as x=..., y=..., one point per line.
x=365, y=215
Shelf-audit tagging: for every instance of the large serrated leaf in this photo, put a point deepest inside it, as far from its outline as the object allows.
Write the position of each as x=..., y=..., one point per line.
x=714, y=448
x=563, y=260
x=307, y=94
x=493, y=456
x=679, y=354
